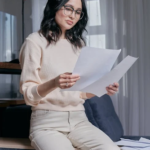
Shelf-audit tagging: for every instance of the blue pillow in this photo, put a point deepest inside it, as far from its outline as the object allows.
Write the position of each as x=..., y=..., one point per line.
x=100, y=112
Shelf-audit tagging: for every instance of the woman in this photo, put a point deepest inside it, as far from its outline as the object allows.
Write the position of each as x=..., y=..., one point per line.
x=47, y=58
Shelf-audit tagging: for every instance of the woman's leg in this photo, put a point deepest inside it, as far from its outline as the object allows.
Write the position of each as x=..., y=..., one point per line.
x=50, y=140
x=88, y=137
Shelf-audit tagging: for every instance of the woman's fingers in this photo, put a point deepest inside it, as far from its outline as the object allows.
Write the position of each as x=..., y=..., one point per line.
x=116, y=84
x=69, y=84
x=68, y=80
x=68, y=76
x=112, y=89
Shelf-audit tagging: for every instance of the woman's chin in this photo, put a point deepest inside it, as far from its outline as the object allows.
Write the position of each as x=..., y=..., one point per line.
x=68, y=27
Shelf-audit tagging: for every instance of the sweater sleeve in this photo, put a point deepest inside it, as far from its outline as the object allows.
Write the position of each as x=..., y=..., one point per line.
x=30, y=58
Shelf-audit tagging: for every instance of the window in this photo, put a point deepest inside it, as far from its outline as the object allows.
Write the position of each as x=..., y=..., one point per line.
x=96, y=26
x=7, y=37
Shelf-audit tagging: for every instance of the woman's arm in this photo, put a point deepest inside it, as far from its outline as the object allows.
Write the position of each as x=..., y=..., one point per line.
x=89, y=95
x=86, y=95
x=47, y=87
x=31, y=85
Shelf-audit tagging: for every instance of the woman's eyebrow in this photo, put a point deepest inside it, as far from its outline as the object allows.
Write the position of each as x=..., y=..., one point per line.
x=73, y=7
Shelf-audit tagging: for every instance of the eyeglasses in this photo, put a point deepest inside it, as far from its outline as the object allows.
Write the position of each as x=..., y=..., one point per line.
x=68, y=10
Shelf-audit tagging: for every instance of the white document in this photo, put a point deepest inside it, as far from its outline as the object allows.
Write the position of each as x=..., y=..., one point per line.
x=134, y=148
x=134, y=144
x=94, y=65
x=128, y=144
x=129, y=148
x=144, y=140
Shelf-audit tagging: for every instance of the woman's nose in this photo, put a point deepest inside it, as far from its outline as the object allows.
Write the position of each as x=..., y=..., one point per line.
x=73, y=15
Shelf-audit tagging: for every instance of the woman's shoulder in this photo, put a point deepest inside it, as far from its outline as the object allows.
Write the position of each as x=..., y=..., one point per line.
x=37, y=38
x=82, y=43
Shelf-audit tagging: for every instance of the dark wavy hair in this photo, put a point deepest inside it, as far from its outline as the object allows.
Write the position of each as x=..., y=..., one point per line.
x=73, y=35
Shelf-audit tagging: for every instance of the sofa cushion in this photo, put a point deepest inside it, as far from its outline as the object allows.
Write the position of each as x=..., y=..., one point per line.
x=100, y=112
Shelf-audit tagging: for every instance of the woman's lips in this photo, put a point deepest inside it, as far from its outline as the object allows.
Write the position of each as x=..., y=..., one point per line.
x=69, y=22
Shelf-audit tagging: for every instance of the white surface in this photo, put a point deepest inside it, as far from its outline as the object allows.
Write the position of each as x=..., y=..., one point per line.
x=94, y=65
x=142, y=144
x=144, y=140
x=132, y=143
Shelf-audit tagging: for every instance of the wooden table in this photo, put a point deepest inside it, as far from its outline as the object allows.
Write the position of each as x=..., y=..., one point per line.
x=10, y=68
x=17, y=143
x=5, y=102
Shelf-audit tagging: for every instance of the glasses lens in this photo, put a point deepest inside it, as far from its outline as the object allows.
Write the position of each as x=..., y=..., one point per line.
x=68, y=11
x=81, y=16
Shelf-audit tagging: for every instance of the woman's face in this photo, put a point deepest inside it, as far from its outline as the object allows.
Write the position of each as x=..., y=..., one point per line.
x=64, y=18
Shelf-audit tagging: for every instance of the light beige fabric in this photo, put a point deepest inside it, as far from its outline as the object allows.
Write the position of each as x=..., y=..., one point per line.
x=55, y=130
x=41, y=63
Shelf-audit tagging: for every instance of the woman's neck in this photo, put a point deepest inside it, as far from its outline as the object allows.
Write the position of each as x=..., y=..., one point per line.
x=63, y=34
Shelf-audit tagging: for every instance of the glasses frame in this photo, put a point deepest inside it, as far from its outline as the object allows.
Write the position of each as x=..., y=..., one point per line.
x=82, y=13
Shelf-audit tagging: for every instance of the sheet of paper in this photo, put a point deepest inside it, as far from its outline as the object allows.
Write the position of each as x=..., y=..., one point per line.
x=130, y=148
x=146, y=148
x=141, y=140
x=99, y=87
x=132, y=144
x=128, y=144
x=134, y=148
x=144, y=140
x=94, y=65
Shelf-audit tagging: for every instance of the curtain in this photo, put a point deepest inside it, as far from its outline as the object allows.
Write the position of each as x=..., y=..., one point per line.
x=131, y=34
x=121, y=24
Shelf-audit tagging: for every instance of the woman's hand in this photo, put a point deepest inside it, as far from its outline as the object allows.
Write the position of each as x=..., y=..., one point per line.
x=112, y=89
x=66, y=80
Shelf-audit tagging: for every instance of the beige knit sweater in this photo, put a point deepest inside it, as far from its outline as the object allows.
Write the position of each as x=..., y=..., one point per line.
x=40, y=64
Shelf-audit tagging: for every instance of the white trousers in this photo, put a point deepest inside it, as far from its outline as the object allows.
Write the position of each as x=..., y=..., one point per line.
x=55, y=130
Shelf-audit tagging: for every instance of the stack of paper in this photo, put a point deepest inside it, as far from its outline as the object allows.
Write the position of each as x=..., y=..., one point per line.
x=127, y=144
x=94, y=65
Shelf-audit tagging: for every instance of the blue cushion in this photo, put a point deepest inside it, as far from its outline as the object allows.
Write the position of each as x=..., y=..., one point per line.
x=101, y=113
